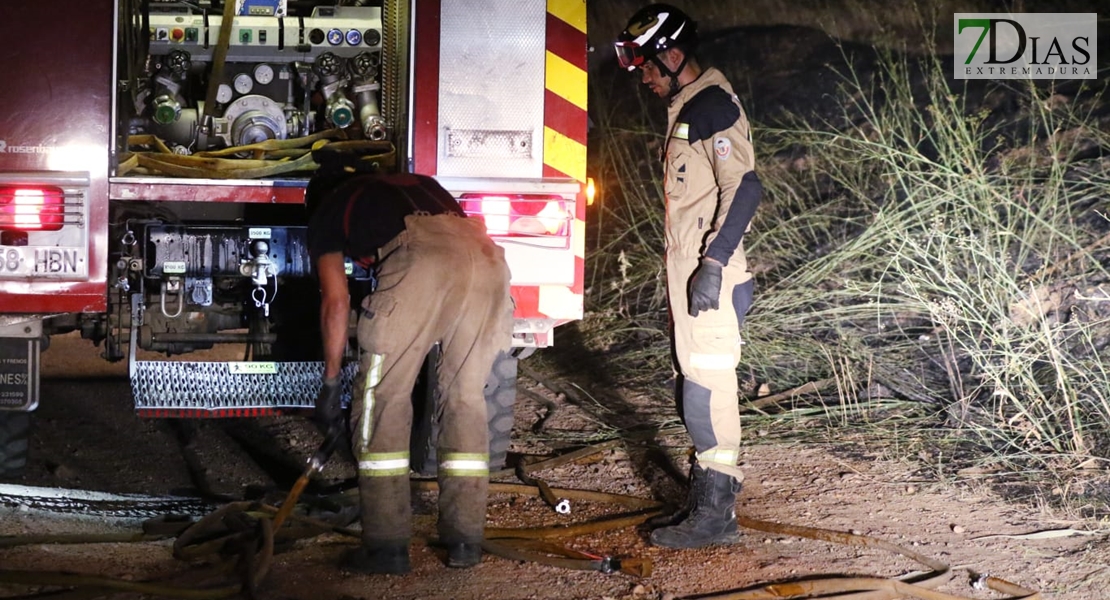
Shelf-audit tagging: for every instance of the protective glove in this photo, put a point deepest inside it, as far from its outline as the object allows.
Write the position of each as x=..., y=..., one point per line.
x=329, y=411
x=705, y=287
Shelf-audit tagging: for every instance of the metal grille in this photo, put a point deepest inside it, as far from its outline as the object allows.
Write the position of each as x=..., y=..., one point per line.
x=492, y=58
x=178, y=385
x=394, y=64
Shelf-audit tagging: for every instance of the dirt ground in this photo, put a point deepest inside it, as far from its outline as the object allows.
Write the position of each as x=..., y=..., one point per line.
x=87, y=437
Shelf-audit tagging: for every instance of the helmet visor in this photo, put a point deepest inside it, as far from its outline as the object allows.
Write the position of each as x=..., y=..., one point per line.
x=629, y=54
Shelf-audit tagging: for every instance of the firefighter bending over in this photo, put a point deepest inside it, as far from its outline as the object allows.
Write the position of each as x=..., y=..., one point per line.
x=712, y=193
x=440, y=279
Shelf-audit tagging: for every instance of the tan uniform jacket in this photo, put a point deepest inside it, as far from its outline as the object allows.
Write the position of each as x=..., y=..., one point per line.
x=710, y=182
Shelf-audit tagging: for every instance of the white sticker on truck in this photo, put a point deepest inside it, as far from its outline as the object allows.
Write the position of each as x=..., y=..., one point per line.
x=252, y=368
x=173, y=267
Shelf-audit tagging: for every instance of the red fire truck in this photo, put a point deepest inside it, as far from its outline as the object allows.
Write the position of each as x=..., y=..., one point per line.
x=154, y=156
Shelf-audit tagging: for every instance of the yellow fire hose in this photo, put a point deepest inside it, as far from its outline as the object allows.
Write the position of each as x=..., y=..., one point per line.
x=269, y=158
x=219, y=57
x=249, y=531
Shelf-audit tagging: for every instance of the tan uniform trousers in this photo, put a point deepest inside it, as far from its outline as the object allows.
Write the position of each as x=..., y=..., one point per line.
x=442, y=280
x=707, y=350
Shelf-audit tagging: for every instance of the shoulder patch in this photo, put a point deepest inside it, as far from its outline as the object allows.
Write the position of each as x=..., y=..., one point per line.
x=723, y=147
x=709, y=112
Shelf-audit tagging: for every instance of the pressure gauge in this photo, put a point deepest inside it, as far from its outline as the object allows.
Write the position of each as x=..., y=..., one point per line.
x=243, y=83
x=263, y=74
x=223, y=93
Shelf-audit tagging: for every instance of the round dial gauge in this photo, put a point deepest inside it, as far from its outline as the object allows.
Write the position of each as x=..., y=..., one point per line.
x=223, y=93
x=263, y=74
x=243, y=83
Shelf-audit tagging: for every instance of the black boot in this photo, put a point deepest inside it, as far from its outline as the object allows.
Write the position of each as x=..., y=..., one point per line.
x=383, y=558
x=463, y=555
x=713, y=517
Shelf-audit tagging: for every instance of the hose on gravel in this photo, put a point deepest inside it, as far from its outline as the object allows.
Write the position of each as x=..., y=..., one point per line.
x=244, y=531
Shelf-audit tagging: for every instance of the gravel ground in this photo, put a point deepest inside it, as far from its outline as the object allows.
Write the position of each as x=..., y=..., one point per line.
x=87, y=437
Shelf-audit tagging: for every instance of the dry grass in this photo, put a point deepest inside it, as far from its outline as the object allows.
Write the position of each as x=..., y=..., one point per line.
x=939, y=258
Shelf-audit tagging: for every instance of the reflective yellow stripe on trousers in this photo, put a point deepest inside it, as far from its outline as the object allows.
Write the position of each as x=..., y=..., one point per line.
x=373, y=378
x=461, y=464
x=720, y=456
x=712, y=362
x=383, y=464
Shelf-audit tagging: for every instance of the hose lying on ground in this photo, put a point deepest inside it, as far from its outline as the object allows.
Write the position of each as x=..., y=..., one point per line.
x=244, y=531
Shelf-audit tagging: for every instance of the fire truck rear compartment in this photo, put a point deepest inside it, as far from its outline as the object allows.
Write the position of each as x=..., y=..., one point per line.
x=176, y=258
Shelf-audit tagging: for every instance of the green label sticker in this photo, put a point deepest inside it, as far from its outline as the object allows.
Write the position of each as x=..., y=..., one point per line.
x=252, y=368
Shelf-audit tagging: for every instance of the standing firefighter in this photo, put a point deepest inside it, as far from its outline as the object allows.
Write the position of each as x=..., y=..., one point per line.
x=712, y=193
x=440, y=279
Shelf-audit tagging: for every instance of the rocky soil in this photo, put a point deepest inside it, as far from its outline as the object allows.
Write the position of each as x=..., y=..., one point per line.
x=87, y=437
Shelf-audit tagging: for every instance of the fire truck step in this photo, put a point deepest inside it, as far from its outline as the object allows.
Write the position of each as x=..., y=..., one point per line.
x=185, y=388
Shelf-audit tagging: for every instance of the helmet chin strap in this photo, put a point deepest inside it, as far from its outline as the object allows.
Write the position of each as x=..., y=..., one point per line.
x=672, y=74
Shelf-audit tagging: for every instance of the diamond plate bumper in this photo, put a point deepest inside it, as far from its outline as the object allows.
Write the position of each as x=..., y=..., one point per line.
x=238, y=386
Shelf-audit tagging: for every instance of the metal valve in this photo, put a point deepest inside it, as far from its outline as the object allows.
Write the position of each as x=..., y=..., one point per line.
x=341, y=111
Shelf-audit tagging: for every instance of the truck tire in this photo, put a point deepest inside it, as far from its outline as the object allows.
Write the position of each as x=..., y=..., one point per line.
x=500, y=398
x=15, y=428
x=500, y=393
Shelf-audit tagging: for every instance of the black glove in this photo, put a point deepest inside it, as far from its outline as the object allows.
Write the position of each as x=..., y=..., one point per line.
x=705, y=288
x=329, y=411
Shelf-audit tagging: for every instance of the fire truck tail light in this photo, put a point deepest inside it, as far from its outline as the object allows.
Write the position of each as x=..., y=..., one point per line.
x=520, y=215
x=32, y=208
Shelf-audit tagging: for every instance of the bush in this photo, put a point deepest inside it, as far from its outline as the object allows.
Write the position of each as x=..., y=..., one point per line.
x=933, y=242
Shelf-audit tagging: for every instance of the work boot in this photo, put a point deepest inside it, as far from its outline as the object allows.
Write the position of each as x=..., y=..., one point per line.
x=385, y=558
x=713, y=518
x=463, y=555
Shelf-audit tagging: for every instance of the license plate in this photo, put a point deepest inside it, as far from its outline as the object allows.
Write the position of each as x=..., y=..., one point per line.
x=19, y=373
x=42, y=261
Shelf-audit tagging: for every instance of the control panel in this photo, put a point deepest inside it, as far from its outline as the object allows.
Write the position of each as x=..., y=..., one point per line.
x=283, y=75
x=342, y=30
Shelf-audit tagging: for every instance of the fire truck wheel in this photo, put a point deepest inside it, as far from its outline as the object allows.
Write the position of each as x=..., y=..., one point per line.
x=500, y=398
x=15, y=428
x=500, y=395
